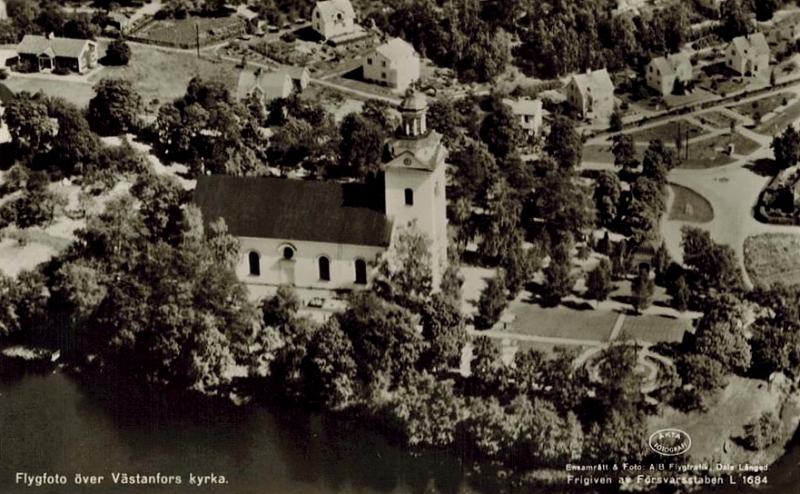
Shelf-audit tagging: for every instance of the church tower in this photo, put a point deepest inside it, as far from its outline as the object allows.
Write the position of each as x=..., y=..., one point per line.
x=415, y=179
x=3, y=12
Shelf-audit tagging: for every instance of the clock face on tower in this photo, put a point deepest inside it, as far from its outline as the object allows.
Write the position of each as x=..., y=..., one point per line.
x=407, y=161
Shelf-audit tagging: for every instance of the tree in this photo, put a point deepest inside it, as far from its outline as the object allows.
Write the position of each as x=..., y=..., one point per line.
x=604, y=245
x=499, y=226
x=292, y=144
x=491, y=303
x=79, y=26
x=443, y=117
x=564, y=144
x=712, y=265
x=658, y=161
x=764, y=9
x=519, y=265
x=615, y=123
x=734, y=20
x=702, y=373
x=425, y=411
x=558, y=274
x=118, y=53
x=624, y=152
x=501, y=131
x=386, y=344
x=379, y=111
x=405, y=273
x=488, y=373
x=680, y=300
x=763, y=432
x=281, y=308
x=160, y=205
x=722, y=338
x=115, y=107
x=444, y=329
x=361, y=144
x=642, y=288
x=607, y=194
x=328, y=368
x=775, y=347
x=786, y=147
x=474, y=171
x=75, y=147
x=619, y=437
x=29, y=124
x=9, y=299
x=598, y=283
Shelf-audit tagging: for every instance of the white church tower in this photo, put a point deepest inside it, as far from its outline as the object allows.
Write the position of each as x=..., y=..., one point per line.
x=3, y=12
x=415, y=179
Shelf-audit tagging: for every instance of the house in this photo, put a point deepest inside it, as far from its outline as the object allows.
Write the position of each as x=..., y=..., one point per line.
x=8, y=59
x=333, y=18
x=394, y=64
x=43, y=53
x=267, y=86
x=592, y=93
x=662, y=72
x=300, y=77
x=784, y=34
x=529, y=113
x=748, y=55
x=329, y=235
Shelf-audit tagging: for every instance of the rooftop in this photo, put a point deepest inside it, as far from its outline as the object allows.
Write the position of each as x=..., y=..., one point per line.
x=597, y=81
x=33, y=44
x=270, y=207
x=396, y=49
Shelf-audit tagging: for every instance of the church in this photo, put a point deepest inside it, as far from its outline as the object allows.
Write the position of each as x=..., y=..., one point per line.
x=330, y=235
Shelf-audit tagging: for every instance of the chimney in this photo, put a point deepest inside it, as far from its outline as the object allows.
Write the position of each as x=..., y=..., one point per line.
x=589, y=71
x=51, y=35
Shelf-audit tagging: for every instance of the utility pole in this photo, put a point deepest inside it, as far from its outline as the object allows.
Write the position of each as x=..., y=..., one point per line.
x=197, y=36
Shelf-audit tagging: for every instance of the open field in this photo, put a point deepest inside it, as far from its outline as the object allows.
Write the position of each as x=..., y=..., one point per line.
x=762, y=106
x=654, y=328
x=562, y=322
x=668, y=132
x=601, y=153
x=773, y=257
x=739, y=403
x=690, y=206
x=184, y=32
x=75, y=92
x=712, y=152
x=780, y=121
x=164, y=75
x=717, y=119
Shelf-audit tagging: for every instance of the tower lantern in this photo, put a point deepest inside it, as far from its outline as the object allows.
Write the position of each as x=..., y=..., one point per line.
x=413, y=110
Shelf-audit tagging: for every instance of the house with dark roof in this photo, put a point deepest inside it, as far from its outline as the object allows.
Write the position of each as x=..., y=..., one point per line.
x=748, y=55
x=662, y=72
x=45, y=53
x=330, y=235
x=394, y=64
x=592, y=94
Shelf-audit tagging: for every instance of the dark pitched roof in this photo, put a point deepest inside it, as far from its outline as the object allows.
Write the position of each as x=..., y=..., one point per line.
x=6, y=95
x=269, y=207
x=33, y=44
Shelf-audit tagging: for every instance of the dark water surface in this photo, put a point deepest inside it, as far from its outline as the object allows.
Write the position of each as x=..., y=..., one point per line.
x=49, y=423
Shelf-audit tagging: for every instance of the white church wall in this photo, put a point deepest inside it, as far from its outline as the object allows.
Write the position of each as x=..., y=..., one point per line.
x=275, y=270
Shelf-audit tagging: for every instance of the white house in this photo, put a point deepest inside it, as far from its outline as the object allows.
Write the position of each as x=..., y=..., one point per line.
x=394, y=64
x=662, y=72
x=332, y=18
x=265, y=85
x=329, y=235
x=592, y=93
x=748, y=55
x=529, y=113
x=45, y=53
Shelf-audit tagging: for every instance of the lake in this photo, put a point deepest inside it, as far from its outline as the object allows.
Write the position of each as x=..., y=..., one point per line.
x=50, y=423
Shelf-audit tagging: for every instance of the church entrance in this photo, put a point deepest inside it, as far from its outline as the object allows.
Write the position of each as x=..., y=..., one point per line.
x=287, y=272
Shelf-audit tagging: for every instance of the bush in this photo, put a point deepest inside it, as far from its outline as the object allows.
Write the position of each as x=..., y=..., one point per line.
x=763, y=432
x=61, y=71
x=492, y=303
x=288, y=37
x=118, y=53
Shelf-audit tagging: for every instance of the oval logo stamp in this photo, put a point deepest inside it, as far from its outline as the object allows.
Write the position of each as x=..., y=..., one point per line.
x=670, y=442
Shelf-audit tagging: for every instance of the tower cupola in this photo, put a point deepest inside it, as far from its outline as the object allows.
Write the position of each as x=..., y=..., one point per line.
x=413, y=112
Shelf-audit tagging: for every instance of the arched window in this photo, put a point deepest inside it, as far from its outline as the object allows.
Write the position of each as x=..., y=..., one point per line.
x=409, y=197
x=255, y=264
x=288, y=253
x=361, y=272
x=324, y=268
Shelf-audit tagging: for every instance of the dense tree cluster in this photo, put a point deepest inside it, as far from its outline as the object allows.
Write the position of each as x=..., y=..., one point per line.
x=45, y=17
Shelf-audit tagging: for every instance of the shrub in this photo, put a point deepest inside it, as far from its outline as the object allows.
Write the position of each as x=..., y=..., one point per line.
x=763, y=432
x=288, y=37
x=118, y=53
x=61, y=70
x=491, y=303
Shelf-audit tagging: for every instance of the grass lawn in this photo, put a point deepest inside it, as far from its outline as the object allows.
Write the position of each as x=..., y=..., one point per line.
x=742, y=400
x=690, y=206
x=654, y=328
x=773, y=257
x=562, y=322
x=182, y=31
x=712, y=152
x=164, y=75
x=75, y=92
x=668, y=131
x=601, y=153
x=780, y=121
x=717, y=119
x=762, y=106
